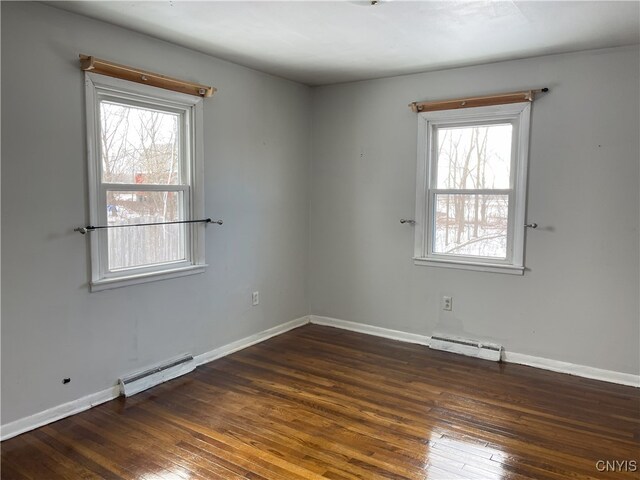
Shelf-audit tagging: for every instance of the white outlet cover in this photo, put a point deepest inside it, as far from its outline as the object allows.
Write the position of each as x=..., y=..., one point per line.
x=447, y=303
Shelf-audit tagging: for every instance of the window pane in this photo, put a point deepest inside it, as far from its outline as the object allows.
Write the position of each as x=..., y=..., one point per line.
x=139, y=145
x=138, y=246
x=474, y=157
x=471, y=225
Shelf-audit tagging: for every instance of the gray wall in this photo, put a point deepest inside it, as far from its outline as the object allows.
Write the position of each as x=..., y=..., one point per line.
x=578, y=301
x=256, y=177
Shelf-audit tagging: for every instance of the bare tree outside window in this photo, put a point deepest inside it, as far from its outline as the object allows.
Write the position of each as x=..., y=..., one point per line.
x=141, y=146
x=468, y=159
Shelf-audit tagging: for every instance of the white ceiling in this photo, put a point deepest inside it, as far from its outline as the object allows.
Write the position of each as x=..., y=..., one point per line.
x=319, y=43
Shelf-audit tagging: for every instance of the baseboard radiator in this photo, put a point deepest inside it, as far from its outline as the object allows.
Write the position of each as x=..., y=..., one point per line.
x=141, y=381
x=464, y=346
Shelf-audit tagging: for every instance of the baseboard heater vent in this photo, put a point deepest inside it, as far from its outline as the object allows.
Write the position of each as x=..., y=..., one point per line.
x=463, y=346
x=138, y=382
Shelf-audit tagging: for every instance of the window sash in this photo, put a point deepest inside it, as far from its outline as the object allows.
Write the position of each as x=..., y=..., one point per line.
x=185, y=149
x=475, y=258
x=435, y=127
x=187, y=229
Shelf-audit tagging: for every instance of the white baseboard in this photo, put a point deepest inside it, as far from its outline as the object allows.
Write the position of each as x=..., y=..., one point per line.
x=39, y=419
x=370, y=330
x=573, y=369
x=50, y=415
x=509, y=357
x=250, y=340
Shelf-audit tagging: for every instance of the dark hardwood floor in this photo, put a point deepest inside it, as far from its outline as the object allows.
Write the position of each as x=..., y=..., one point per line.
x=319, y=402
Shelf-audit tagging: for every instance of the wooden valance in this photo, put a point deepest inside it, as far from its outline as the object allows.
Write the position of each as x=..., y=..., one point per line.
x=104, y=67
x=501, y=99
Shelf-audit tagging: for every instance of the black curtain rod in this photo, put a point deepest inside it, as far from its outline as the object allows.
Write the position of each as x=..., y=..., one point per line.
x=91, y=228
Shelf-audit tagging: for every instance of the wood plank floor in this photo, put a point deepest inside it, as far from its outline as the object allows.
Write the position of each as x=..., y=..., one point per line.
x=318, y=402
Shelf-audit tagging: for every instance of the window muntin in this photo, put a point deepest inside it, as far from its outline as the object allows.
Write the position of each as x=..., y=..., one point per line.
x=145, y=168
x=470, y=205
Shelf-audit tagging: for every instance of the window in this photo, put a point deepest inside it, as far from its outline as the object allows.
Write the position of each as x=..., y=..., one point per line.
x=145, y=156
x=470, y=208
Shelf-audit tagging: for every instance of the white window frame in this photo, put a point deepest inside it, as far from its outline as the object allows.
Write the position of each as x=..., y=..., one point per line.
x=517, y=114
x=190, y=109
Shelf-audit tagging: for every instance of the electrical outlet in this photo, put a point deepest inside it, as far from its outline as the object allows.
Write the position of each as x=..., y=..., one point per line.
x=255, y=298
x=447, y=303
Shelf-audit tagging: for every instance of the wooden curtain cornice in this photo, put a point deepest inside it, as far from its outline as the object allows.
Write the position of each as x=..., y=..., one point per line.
x=501, y=99
x=104, y=67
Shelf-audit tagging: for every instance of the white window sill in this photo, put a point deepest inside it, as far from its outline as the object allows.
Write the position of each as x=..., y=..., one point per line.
x=479, y=267
x=125, y=280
